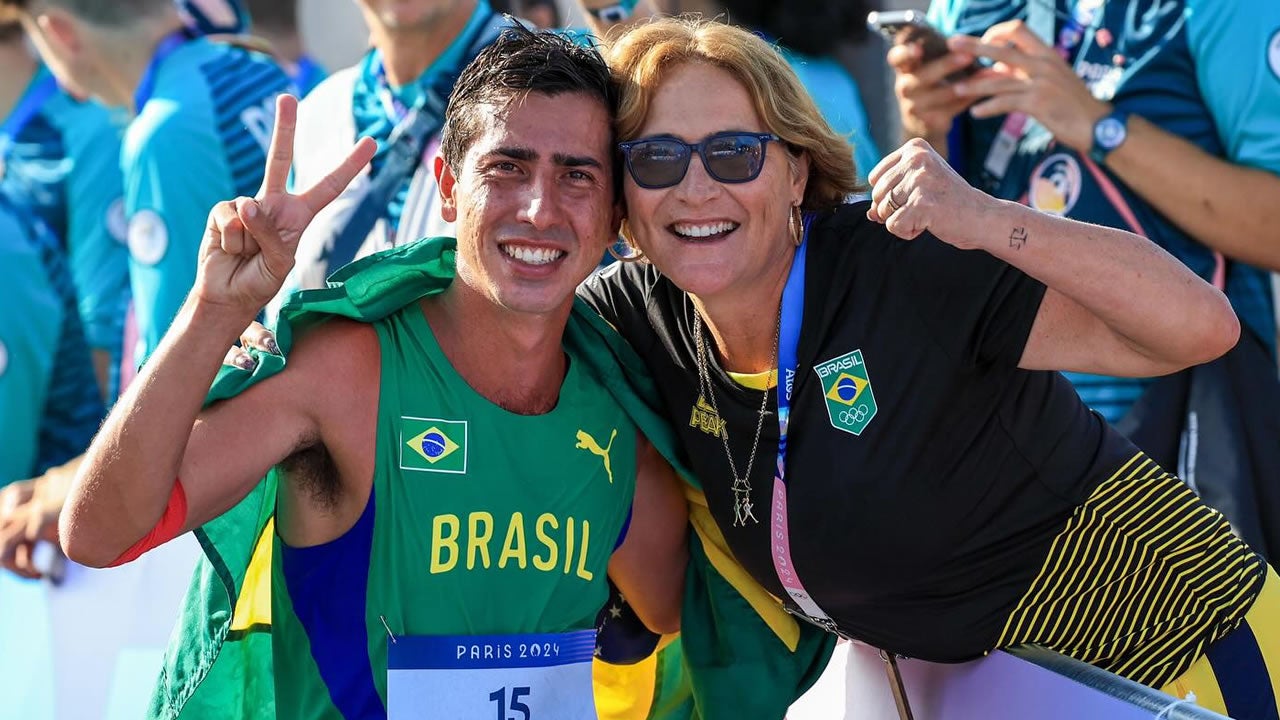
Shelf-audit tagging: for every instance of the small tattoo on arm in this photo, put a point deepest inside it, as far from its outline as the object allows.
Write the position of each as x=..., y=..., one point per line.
x=1018, y=238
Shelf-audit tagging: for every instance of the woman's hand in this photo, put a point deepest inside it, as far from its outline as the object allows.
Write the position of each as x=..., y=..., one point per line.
x=256, y=336
x=914, y=190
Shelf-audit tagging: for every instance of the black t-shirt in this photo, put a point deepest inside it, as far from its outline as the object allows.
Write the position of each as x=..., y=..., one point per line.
x=921, y=533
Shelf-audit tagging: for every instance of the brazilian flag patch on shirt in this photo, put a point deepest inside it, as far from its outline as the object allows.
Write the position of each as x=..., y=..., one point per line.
x=847, y=389
x=433, y=445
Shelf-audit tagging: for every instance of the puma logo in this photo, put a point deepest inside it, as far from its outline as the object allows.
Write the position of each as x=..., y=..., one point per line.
x=588, y=443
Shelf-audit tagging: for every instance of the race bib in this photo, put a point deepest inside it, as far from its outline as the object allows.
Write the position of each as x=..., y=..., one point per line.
x=491, y=677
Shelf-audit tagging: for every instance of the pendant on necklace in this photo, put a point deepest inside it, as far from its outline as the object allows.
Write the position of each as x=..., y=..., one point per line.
x=742, y=506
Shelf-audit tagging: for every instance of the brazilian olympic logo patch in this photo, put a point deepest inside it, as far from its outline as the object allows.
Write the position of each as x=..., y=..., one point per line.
x=846, y=388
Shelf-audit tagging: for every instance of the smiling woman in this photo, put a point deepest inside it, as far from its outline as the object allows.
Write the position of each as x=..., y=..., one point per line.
x=920, y=479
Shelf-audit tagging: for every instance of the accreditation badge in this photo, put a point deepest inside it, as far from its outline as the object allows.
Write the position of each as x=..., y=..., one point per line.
x=480, y=677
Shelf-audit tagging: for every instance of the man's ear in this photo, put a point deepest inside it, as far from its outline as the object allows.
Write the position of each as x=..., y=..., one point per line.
x=447, y=184
x=61, y=30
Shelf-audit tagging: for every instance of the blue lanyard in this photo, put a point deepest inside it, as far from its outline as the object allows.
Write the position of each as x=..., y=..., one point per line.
x=26, y=109
x=790, y=319
x=791, y=316
x=391, y=105
x=168, y=46
x=437, y=74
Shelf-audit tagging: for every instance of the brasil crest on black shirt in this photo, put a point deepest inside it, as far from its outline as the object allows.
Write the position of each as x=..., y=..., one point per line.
x=851, y=404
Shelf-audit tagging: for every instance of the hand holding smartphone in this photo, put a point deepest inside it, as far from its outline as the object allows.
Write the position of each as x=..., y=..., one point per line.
x=903, y=27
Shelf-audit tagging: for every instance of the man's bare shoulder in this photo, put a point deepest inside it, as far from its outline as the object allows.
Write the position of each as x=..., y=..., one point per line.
x=337, y=352
x=335, y=377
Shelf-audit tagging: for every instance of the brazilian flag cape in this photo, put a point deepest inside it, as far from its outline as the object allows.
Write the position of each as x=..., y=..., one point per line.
x=738, y=653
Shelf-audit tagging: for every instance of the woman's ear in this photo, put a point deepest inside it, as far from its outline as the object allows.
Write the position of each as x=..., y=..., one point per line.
x=799, y=175
x=619, y=214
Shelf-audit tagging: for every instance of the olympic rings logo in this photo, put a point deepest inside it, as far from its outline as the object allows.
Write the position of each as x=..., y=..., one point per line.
x=854, y=415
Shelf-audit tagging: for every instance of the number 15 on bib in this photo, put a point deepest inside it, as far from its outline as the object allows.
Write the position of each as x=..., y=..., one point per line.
x=491, y=677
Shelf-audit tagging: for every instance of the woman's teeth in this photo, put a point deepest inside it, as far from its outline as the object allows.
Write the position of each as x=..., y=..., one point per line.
x=532, y=255
x=702, y=231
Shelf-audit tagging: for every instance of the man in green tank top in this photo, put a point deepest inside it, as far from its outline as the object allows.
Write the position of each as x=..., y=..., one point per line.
x=455, y=485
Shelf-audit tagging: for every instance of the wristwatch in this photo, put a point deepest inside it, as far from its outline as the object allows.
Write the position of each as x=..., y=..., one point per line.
x=1109, y=133
x=615, y=13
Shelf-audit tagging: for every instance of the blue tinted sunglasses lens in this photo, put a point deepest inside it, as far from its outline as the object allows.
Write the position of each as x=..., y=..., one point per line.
x=728, y=157
x=658, y=163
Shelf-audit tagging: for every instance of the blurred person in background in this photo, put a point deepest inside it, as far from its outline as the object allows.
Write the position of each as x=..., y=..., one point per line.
x=49, y=403
x=60, y=161
x=808, y=32
x=60, y=177
x=1161, y=117
x=215, y=17
x=395, y=94
x=276, y=21
x=542, y=14
x=201, y=117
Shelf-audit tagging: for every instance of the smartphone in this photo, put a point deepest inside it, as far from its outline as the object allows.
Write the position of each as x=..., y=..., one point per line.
x=910, y=26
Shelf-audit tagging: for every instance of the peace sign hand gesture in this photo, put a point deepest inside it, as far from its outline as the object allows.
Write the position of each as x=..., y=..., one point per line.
x=249, y=243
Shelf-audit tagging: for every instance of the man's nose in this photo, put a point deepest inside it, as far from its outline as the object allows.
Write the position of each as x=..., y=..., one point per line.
x=541, y=207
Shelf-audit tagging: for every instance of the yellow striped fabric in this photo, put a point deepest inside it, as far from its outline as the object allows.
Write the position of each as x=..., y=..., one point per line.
x=1141, y=580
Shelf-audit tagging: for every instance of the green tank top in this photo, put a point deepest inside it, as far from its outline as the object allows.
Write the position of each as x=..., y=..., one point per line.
x=481, y=522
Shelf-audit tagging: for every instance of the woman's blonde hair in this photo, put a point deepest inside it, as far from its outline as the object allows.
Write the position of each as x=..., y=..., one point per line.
x=640, y=57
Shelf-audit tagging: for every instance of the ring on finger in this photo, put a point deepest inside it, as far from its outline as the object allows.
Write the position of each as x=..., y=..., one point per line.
x=893, y=203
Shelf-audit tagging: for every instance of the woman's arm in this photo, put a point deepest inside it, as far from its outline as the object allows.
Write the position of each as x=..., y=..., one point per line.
x=1116, y=303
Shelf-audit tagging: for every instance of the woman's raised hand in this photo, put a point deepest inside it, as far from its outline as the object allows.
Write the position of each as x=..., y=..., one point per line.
x=913, y=190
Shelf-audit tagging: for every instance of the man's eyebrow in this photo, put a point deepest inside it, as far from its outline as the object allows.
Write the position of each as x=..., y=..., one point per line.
x=576, y=161
x=517, y=153
x=563, y=159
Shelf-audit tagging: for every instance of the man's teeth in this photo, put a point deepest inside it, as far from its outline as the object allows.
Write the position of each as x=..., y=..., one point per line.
x=701, y=231
x=531, y=255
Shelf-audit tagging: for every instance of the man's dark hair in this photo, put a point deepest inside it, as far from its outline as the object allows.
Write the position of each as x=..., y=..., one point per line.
x=812, y=27
x=107, y=13
x=278, y=15
x=521, y=61
x=520, y=8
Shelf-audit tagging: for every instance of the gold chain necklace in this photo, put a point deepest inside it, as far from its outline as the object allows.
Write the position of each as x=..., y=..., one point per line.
x=742, y=507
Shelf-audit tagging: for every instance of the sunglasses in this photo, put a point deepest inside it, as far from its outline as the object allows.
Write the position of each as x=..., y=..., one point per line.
x=729, y=157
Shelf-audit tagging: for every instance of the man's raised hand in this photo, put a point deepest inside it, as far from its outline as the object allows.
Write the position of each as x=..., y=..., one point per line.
x=249, y=243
